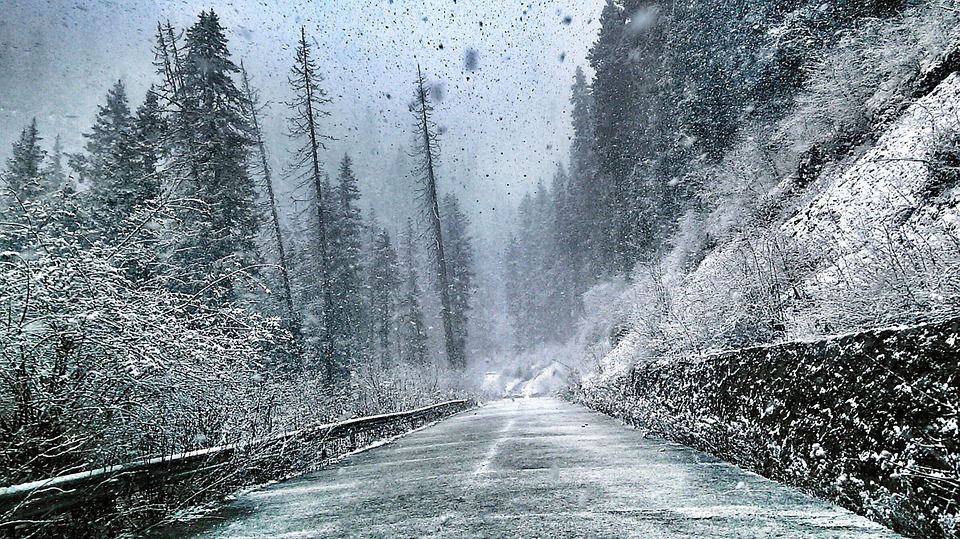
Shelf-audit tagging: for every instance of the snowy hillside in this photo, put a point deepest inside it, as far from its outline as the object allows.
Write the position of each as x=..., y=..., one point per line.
x=884, y=192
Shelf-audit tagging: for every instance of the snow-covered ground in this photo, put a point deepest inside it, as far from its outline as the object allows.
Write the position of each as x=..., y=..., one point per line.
x=853, y=218
x=532, y=468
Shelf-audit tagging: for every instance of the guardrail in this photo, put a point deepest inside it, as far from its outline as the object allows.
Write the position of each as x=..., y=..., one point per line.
x=122, y=488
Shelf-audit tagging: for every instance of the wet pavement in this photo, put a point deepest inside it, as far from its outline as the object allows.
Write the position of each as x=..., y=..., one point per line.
x=531, y=468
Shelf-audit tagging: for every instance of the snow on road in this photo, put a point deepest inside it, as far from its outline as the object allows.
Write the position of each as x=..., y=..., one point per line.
x=531, y=468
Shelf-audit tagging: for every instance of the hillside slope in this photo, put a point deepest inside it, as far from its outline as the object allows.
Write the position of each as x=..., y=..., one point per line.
x=868, y=239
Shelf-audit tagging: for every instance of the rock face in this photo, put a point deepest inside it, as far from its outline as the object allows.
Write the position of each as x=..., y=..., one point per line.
x=862, y=242
x=868, y=420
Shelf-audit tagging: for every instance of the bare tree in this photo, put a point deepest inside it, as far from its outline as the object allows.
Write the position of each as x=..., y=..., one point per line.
x=169, y=63
x=428, y=151
x=308, y=107
x=271, y=195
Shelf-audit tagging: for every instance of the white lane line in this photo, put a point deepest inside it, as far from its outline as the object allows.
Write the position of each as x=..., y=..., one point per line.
x=484, y=466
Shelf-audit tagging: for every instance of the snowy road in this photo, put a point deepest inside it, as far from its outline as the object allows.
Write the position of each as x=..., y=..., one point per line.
x=532, y=468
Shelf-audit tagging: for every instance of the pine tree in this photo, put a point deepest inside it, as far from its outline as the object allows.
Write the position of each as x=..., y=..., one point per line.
x=150, y=132
x=583, y=159
x=411, y=328
x=24, y=175
x=614, y=91
x=288, y=354
x=212, y=140
x=119, y=166
x=517, y=290
x=308, y=109
x=570, y=273
x=384, y=283
x=112, y=124
x=583, y=222
x=345, y=267
x=55, y=173
x=129, y=224
x=634, y=110
x=23, y=186
x=428, y=150
x=539, y=284
x=524, y=274
x=459, y=254
x=62, y=198
x=38, y=200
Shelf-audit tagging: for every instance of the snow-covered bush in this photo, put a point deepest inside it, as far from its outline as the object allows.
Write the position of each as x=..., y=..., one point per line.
x=379, y=388
x=857, y=85
x=98, y=368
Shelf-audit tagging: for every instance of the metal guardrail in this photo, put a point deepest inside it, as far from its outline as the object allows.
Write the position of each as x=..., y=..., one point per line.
x=276, y=456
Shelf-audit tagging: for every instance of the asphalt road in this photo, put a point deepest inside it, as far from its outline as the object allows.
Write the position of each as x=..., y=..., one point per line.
x=532, y=468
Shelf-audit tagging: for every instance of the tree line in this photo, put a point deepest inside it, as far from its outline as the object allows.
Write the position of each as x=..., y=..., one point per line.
x=157, y=299
x=676, y=89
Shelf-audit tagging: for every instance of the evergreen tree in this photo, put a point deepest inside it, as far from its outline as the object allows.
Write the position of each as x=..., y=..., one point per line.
x=614, y=89
x=583, y=223
x=411, y=328
x=212, y=142
x=583, y=159
x=524, y=268
x=345, y=267
x=566, y=272
x=54, y=172
x=384, y=283
x=24, y=174
x=459, y=253
x=308, y=109
x=111, y=126
x=516, y=284
x=63, y=200
x=38, y=200
x=120, y=164
x=541, y=293
x=428, y=150
x=150, y=131
x=23, y=186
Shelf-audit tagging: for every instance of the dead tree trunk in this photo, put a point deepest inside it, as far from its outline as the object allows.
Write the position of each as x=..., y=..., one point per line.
x=455, y=352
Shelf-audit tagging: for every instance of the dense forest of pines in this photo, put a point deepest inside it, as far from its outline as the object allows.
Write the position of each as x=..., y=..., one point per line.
x=693, y=143
x=159, y=297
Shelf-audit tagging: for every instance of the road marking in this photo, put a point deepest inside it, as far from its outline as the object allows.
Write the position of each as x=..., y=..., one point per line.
x=484, y=466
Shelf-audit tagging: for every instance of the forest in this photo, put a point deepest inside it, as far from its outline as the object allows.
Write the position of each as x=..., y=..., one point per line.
x=156, y=301
x=681, y=220
x=165, y=292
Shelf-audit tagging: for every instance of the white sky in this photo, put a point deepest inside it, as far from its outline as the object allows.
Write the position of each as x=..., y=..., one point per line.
x=507, y=123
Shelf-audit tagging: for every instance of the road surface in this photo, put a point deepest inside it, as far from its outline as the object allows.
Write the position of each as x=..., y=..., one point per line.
x=531, y=468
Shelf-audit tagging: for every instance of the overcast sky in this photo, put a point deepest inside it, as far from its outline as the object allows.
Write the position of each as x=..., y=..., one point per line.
x=506, y=120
